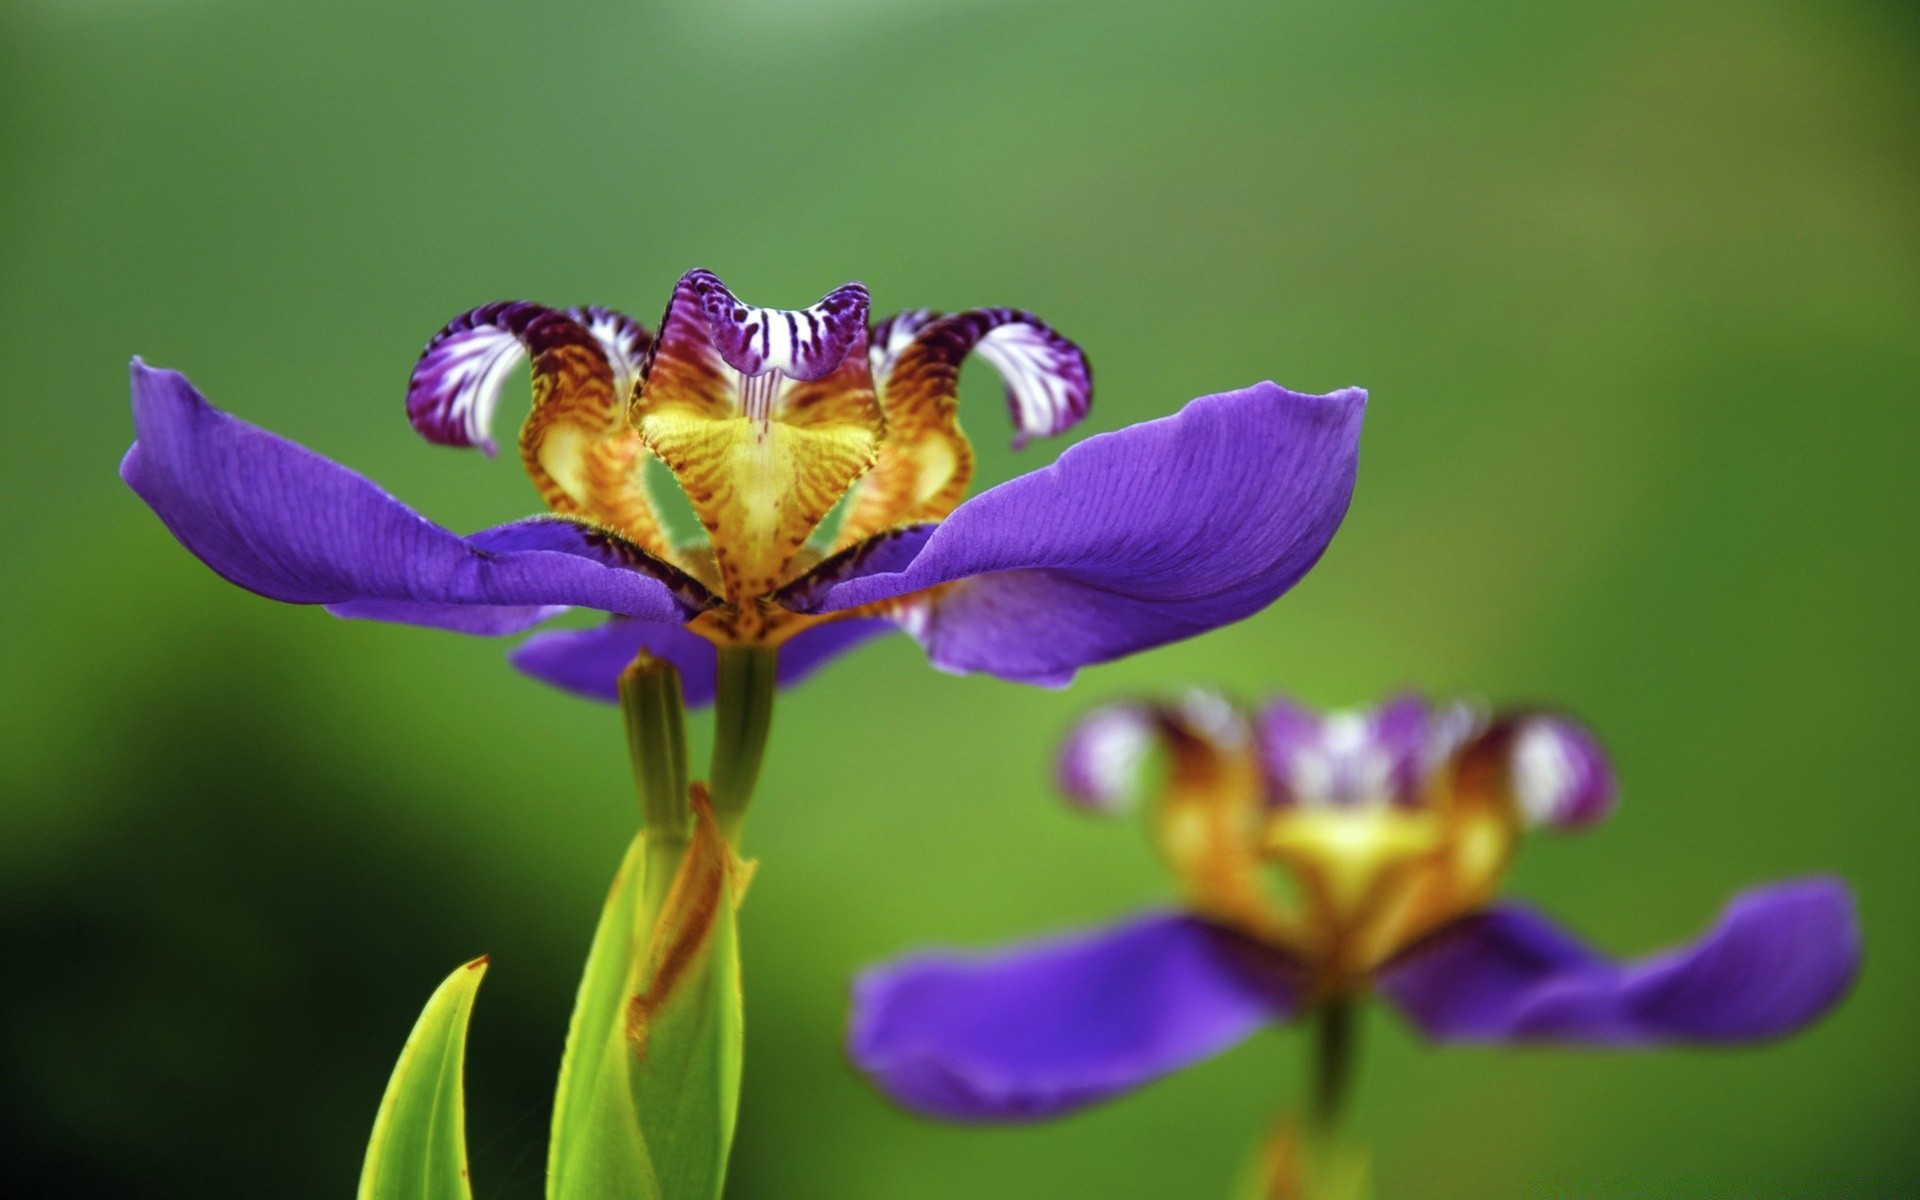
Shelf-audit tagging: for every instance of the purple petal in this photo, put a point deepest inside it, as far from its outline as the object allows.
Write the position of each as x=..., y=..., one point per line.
x=800, y=343
x=485, y=620
x=278, y=519
x=588, y=662
x=1133, y=539
x=1561, y=777
x=1046, y=1028
x=1779, y=957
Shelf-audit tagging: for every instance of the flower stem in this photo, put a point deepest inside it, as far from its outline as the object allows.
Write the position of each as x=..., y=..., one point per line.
x=742, y=718
x=657, y=744
x=1333, y=1061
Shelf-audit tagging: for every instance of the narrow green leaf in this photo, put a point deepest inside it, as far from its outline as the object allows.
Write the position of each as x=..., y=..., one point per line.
x=650, y=1084
x=418, y=1150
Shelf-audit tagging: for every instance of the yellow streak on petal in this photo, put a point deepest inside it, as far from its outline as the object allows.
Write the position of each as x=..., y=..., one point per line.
x=1479, y=823
x=758, y=486
x=926, y=462
x=1354, y=865
x=575, y=444
x=758, y=489
x=1207, y=826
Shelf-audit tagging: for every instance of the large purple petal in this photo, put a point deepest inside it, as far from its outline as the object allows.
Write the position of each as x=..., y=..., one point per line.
x=1046, y=1028
x=1132, y=539
x=282, y=521
x=1778, y=958
x=486, y=620
x=588, y=662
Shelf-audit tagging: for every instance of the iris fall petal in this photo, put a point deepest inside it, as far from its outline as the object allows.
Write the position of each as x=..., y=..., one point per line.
x=1130, y=539
x=280, y=520
x=1778, y=958
x=1050, y=1027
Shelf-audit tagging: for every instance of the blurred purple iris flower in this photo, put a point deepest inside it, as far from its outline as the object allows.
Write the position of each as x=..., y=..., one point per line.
x=1393, y=828
x=769, y=420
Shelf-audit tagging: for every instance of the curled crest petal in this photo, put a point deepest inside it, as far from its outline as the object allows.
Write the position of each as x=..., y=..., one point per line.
x=574, y=443
x=926, y=461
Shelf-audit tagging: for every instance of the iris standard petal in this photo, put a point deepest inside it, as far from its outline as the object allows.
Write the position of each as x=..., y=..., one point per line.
x=280, y=520
x=1043, y=1029
x=588, y=662
x=1779, y=957
x=764, y=416
x=1131, y=539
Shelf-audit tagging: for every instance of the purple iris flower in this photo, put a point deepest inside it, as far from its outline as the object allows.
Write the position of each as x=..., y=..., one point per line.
x=769, y=420
x=1322, y=858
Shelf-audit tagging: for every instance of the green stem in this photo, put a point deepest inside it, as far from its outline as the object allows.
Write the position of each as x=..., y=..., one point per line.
x=742, y=718
x=1333, y=1061
x=657, y=743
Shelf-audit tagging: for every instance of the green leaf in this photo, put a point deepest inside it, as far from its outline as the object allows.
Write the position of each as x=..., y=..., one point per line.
x=418, y=1150
x=650, y=1084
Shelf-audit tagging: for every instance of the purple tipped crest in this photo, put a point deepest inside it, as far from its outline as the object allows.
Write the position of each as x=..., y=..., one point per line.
x=1351, y=759
x=1048, y=379
x=1561, y=776
x=1098, y=765
x=892, y=336
x=624, y=339
x=801, y=344
x=455, y=386
x=1049, y=382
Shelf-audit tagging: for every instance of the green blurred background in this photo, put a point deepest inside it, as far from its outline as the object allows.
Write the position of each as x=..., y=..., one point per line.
x=1636, y=288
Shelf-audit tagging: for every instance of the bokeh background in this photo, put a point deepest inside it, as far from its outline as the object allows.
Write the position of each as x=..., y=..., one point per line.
x=1636, y=288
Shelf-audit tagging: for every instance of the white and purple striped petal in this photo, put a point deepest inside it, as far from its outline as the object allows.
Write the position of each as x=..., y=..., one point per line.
x=624, y=339
x=1036, y=1031
x=454, y=390
x=455, y=387
x=892, y=336
x=1561, y=776
x=1778, y=958
x=806, y=343
x=1099, y=763
x=1386, y=755
x=1049, y=382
